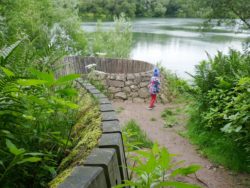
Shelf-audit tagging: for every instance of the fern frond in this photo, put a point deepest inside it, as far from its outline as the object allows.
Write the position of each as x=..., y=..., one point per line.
x=7, y=82
x=7, y=51
x=11, y=106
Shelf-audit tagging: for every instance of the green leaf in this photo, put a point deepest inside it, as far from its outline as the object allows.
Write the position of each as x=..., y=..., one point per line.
x=155, y=149
x=30, y=160
x=35, y=154
x=144, y=154
x=1, y=163
x=28, y=117
x=13, y=149
x=51, y=169
x=8, y=72
x=49, y=77
x=238, y=129
x=127, y=183
x=176, y=185
x=31, y=82
x=185, y=171
x=68, y=92
x=5, y=52
x=164, y=158
x=67, y=78
x=8, y=134
x=65, y=103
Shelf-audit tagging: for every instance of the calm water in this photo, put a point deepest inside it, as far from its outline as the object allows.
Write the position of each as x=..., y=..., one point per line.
x=178, y=44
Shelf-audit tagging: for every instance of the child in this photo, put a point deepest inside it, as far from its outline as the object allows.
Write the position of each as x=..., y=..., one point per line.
x=154, y=87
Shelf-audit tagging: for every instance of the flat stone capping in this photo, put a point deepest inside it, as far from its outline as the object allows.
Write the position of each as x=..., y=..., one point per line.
x=114, y=140
x=99, y=96
x=106, y=108
x=111, y=127
x=104, y=101
x=107, y=159
x=109, y=116
x=83, y=176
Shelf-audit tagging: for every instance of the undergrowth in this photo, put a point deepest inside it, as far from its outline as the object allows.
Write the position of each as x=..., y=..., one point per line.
x=135, y=135
x=216, y=146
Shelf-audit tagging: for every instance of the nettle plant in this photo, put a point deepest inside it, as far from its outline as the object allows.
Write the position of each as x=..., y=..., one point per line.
x=154, y=168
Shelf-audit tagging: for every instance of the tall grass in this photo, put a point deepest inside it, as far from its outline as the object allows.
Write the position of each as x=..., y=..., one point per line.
x=136, y=137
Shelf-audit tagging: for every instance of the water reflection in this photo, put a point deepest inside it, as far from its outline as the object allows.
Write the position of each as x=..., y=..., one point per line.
x=179, y=54
x=178, y=43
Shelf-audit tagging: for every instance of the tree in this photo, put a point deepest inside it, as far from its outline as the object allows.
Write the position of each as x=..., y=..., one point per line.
x=228, y=9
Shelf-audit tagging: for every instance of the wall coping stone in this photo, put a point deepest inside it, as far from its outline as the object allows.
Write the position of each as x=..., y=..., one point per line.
x=106, y=108
x=109, y=116
x=84, y=176
x=114, y=140
x=111, y=127
x=107, y=159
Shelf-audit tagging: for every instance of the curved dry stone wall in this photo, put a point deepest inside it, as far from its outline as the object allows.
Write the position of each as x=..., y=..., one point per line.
x=106, y=165
x=124, y=79
x=130, y=86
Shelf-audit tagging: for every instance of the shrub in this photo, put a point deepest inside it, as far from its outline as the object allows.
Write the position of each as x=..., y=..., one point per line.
x=222, y=98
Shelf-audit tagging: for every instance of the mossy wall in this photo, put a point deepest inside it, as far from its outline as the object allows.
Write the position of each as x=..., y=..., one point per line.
x=85, y=135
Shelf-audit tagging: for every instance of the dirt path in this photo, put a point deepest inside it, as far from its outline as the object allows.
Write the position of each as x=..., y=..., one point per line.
x=212, y=176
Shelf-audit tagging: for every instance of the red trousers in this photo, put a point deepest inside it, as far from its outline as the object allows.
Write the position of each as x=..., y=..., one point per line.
x=152, y=101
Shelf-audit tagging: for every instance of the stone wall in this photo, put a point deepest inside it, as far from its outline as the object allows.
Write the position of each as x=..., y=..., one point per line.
x=130, y=86
x=106, y=165
x=124, y=79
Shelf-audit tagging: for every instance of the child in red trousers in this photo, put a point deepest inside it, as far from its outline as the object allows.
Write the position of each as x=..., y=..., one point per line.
x=154, y=87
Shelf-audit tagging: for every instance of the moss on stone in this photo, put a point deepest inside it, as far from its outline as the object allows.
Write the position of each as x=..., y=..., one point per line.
x=85, y=136
x=60, y=178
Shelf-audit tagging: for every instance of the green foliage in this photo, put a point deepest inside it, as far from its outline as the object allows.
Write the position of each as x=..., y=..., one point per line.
x=134, y=137
x=186, y=9
x=217, y=146
x=114, y=43
x=54, y=23
x=227, y=9
x=106, y=10
x=37, y=107
x=169, y=118
x=98, y=9
x=85, y=132
x=28, y=107
x=222, y=98
x=155, y=169
x=173, y=87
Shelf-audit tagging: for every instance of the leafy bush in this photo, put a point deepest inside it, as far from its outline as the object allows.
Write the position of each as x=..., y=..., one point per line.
x=222, y=97
x=116, y=42
x=33, y=141
x=172, y=87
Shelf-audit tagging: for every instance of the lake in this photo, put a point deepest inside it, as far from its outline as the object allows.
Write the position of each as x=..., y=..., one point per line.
x=178, y=44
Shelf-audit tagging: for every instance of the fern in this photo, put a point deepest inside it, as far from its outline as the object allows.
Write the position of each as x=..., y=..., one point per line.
x=7, y=51
x=11, y=107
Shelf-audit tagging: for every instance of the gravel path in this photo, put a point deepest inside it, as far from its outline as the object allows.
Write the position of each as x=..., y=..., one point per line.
x=210, y=175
